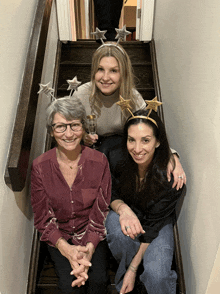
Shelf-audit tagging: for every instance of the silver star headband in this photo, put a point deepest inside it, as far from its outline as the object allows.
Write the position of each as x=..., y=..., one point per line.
x=45, y=89
x=121, y=34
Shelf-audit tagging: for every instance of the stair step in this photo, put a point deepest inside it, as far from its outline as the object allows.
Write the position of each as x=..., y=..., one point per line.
x=147, y=94
x=143, y=74
x=138, y=52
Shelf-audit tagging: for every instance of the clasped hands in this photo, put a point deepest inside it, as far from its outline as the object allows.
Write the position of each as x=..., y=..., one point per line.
x=81, y=265
x=79, y=258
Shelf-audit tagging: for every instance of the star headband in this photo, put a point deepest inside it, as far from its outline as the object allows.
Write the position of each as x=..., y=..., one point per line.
x=151, y=105
x=45, y=89
x=121, y=34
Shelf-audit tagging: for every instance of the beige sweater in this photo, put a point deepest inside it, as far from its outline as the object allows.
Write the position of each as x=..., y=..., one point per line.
x=111, y=120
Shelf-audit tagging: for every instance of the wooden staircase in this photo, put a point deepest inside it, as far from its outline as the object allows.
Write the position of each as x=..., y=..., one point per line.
x=75, y=60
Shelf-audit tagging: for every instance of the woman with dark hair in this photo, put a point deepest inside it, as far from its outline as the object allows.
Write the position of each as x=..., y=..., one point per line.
x=140, y=225
x=70, y=195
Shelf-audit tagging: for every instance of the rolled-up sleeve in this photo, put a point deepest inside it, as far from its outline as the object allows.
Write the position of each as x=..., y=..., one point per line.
x=159, y=214
x=44, y=217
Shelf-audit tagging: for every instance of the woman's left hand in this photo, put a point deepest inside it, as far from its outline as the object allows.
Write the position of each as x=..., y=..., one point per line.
x=130, y=224
x=178, y=173
x=128, y=282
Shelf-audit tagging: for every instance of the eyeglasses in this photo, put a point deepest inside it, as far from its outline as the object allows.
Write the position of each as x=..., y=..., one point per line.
x=61, y=128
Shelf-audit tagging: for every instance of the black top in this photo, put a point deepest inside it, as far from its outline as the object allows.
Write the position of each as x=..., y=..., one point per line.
x=156, y=213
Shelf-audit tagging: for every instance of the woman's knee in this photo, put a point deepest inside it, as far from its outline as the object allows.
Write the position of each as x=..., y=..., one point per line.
x=112, y=221
x=65, y=286
x=157, y=266
x=114, y=232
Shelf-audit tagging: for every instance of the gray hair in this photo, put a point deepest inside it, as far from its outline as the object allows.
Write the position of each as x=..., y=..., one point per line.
x=70, y=108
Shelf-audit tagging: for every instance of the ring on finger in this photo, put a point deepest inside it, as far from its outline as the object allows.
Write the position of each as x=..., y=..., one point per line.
x=180, y=177
x=127, y=227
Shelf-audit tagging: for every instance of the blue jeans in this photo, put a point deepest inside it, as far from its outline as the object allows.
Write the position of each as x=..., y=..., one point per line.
x=157, y=276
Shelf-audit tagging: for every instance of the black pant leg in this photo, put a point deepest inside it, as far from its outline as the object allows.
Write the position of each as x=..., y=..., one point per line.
x=108, y=15
x=116, y=6
x=63, y=269
x=98, y=275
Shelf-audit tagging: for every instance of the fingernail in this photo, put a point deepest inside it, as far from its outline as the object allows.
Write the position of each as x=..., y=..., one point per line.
x=90, y=264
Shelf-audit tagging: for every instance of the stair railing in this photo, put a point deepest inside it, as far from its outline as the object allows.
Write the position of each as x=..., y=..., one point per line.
x=17, y=164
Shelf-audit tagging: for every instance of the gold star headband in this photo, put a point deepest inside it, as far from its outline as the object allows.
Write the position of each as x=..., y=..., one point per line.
x=45, y=89
x=151, y=105
x=121, y=34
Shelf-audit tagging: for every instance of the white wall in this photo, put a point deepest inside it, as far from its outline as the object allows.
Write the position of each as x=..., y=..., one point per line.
x=15, y=213
x=187, y=36
x=16, y=221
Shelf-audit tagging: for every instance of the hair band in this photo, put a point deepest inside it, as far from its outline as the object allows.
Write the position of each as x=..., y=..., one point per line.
x=121, y=34
x=151, y=105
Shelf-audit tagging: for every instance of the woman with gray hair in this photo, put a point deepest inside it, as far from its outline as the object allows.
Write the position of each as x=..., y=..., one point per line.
x=70, y=195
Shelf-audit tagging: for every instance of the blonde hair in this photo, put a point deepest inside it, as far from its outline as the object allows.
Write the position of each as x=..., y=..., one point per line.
x=126, y=73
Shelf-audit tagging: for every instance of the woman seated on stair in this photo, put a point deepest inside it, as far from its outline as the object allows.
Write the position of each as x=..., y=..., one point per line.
x=112, y=76
x=140, y=225
x=70, y=195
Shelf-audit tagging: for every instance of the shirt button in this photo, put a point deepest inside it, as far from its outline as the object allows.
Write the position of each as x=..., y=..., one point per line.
x=72, y=201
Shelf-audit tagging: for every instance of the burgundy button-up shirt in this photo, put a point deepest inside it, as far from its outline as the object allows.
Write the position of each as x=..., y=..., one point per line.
x=77, y=213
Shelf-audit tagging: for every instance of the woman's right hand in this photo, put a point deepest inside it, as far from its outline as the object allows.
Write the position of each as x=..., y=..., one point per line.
x=89, y=139
x=130, y=224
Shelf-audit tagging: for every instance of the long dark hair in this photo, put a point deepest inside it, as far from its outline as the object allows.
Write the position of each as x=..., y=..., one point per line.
x=155, y=180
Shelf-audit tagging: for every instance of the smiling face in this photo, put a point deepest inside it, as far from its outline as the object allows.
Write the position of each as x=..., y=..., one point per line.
x=107, y=77
x=141, y=144
x=68, y=140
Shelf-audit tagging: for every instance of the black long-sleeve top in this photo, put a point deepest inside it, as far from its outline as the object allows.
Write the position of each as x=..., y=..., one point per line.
x=156, y=213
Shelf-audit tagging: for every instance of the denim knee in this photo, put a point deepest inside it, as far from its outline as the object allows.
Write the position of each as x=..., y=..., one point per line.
x=157, y=271
x=114, y=232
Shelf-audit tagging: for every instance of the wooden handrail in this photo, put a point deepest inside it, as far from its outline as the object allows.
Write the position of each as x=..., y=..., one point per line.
x=156, y=78
x=17, y=165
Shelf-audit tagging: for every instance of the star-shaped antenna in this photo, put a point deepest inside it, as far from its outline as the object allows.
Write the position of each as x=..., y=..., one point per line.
x=122, y=33
x=45, y=89
x=153, y=104
x=99, y=35
x=73, y=85
x=125, y=104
